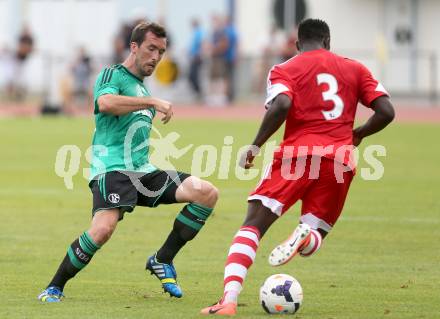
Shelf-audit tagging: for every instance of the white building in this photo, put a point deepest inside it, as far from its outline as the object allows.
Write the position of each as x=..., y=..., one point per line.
x=373, y=31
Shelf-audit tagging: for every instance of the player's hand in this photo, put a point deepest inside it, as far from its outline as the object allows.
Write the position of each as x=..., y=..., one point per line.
x=357, y=139
x=165, y=108
x=247, y=157
x=168, y=115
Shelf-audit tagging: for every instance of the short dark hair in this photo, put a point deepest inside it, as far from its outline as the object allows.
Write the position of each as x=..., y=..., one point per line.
x=139, y=31
x=313, y=30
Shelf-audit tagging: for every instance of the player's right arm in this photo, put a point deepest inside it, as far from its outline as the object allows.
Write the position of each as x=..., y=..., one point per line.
x=278, y=103
x=121, y=105
x=273, y=119
x=108, y=100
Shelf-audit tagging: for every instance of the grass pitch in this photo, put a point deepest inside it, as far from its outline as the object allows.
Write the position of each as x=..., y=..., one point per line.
x=381, y=260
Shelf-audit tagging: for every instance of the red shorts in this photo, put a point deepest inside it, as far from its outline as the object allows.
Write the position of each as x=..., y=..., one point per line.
x=322, y=188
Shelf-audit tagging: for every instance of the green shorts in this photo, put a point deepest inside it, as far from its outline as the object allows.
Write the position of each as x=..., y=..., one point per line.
x=126, y=190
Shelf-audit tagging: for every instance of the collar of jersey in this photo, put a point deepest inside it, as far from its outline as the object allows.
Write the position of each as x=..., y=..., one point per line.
x=128, y=71
x=316, y=51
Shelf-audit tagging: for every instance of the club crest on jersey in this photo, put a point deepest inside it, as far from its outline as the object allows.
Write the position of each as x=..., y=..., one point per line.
x=114, y=198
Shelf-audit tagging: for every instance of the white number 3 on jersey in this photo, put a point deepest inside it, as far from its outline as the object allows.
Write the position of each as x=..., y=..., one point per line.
x=330, y=95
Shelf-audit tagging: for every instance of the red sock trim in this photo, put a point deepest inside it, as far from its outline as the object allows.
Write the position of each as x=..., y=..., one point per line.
x=252, y=229
x=232, y=278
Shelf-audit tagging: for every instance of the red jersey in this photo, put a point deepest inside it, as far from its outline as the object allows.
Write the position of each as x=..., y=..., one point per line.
x=325, y=90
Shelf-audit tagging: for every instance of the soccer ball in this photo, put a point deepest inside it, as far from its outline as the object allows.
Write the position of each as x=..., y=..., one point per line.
x=281, y=293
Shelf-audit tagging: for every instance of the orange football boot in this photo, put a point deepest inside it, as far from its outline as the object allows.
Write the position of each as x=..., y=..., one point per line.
x=222, y=309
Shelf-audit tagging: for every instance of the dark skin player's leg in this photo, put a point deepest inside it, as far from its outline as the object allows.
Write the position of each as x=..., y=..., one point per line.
x=259, y=216
x=322, y=232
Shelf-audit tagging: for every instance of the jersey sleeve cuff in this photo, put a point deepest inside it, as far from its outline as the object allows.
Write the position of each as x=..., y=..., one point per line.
x=372, y=98
x=275, y=90
x=104, y=91
x=107, y=90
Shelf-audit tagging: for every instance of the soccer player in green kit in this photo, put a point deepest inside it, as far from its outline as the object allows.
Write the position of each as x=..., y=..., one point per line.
x=121, y=175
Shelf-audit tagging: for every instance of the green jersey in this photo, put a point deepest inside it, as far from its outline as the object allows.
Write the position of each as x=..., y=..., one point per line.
x=121, y=142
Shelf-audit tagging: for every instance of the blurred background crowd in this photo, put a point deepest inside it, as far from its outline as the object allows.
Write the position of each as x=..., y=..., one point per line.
x=219, y=51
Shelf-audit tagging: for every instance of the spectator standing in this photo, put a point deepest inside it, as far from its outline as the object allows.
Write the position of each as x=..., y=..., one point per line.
x=196, y=59
x=230, y=58
x=289, y=48
x=119, y=50
x=218, y=48
x=82, y=72
x=15, y=87
x=270, y=49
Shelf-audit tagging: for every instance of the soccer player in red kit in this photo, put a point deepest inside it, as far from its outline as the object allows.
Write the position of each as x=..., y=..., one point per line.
x=316, y=93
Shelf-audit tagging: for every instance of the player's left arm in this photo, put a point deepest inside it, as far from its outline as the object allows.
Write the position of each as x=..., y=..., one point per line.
x=373, y=95
x=273, y=119
x=383, y=115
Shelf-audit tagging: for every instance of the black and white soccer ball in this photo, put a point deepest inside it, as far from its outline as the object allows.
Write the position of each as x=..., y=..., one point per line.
x=281, y=293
